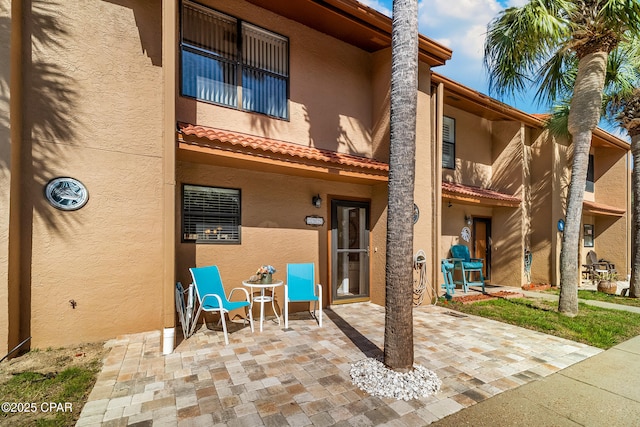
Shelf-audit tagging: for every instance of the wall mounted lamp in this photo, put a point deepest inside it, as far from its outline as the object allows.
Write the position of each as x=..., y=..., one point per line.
x=467, y=219
x=316, y=201
x=449, y=204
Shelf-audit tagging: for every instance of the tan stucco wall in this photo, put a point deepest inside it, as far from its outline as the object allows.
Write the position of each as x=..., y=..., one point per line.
x=273, y=208
x=507, y=268
x=381, y=92
x=611, y=188
x=95, y=113
x=378, y=243
x=507, y=151
x=542, y=225
x=330, y=103
x=474, y=157
x=425, y=182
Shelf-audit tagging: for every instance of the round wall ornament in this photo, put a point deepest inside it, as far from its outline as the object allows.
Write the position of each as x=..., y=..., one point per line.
x=465, y=234
x=67, y=194
x=416, y=213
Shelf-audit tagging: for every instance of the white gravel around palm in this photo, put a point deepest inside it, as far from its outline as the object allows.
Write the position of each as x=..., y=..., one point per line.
x=376, y=379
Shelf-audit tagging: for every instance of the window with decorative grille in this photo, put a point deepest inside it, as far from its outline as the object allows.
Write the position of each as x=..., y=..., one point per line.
x=230, y=62
x=210, y=214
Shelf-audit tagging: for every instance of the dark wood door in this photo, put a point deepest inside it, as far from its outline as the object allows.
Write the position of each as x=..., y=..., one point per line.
x=482, y=243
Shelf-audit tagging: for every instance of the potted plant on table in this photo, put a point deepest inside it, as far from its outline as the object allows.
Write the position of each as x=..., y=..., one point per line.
x=265, y=273
x=607, y=282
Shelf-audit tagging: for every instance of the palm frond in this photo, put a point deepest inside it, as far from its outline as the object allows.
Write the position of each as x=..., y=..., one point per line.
x=621, y=16
x=558, y=121
x=518, y=40
x=557, y=76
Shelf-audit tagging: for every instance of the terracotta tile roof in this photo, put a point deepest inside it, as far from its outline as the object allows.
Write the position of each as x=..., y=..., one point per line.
x=601, y=209
x=262, y=145
x=478, y=193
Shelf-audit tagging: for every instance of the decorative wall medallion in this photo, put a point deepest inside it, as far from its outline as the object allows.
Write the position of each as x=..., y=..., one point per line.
x=465, y=234
x=67, y=194
x=416, y=213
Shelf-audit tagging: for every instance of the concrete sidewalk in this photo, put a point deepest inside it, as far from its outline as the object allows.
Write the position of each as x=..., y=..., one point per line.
x=599, y=391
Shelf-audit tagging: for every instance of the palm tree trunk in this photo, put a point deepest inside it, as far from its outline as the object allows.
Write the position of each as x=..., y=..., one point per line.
x=398, y=332
x=584, y=115
x=634, y=286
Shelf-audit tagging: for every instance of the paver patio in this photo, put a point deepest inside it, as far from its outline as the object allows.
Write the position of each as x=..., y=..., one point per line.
x=300, y=376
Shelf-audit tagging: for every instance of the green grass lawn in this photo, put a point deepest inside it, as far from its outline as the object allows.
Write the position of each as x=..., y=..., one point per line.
x=595, y=326
x=601, y=296
x=46, y=399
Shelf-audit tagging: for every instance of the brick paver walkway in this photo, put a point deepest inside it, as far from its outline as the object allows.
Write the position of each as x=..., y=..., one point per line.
x=300, y=376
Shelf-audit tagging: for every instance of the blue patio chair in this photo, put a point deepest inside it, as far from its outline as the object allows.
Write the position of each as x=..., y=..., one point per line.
x=301, y=287
x=446, y=266
x=467, y=266
x=211, y=296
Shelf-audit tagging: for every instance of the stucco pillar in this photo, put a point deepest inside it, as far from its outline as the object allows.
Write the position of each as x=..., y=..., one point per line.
x=10, y=170
x=169, y=67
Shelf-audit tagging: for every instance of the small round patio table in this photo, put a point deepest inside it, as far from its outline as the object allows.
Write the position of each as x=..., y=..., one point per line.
x=262, y=298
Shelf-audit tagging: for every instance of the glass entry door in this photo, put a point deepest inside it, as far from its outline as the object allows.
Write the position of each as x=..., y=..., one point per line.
x=349, y=250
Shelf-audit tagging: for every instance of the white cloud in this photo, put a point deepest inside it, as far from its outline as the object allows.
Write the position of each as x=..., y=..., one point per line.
x=461, y=26
x=377, y=5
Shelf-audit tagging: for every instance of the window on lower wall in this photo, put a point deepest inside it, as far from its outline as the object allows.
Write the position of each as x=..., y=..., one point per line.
x=210, y=214
x=588, y=235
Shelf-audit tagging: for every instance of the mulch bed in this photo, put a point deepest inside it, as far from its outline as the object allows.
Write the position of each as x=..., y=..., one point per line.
x=468, y=299
x=536, y=287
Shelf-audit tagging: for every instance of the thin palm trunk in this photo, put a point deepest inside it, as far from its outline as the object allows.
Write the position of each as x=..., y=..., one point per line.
x=398, y=333
x=584, y=115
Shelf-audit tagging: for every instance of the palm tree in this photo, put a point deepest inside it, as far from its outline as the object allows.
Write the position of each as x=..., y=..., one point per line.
x=398, y=330
x=629, y=118
x=623, y=106
x=537, y=43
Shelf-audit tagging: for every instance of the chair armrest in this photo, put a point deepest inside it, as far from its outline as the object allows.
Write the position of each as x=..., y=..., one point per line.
x=246, y=293
x=476, y=259
x=204, y=298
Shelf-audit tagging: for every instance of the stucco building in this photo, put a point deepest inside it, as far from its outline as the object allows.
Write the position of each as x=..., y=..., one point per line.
x=205, y=133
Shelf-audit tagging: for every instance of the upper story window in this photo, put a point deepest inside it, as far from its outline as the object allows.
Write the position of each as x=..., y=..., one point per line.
x=210, y=214
x=590, y=175
x=229, y=62
x=448, y=143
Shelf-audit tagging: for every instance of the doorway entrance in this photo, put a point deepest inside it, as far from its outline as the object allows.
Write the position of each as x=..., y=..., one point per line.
x=482, y=243
x=349, y=250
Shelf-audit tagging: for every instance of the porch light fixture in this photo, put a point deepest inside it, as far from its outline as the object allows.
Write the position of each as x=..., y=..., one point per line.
x=467, y=219
x=449, y=204
x=316, y=201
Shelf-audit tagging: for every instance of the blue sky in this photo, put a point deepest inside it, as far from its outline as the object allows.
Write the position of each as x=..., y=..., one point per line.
x=461, y=26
